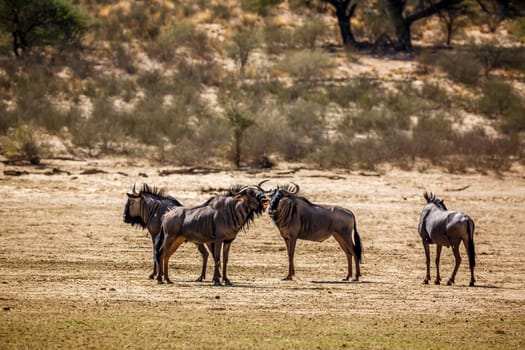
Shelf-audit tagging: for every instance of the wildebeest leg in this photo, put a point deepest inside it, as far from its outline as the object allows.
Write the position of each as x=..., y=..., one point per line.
x=472, y=279
x=290, y=247
x=225, y=252
x=155, y=270
x=427, y=260
x=438, y=257
x=204, y=254
x=344, y=246
x=170, y=246
x=217, y=260
x=455, y=249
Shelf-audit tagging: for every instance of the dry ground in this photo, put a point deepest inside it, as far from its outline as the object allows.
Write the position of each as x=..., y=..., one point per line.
x=73, y=275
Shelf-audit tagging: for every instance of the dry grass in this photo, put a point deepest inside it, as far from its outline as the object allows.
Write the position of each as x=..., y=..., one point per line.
x=75, y=276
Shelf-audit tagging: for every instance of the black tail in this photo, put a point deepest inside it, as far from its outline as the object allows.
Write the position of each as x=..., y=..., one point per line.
x=470, y=246
x=159, y=240
x=357, y=243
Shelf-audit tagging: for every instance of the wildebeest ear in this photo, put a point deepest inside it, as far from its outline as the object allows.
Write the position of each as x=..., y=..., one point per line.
x=132, y=195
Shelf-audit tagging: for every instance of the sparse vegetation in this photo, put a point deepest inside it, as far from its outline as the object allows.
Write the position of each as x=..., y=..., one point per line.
x=160, y=88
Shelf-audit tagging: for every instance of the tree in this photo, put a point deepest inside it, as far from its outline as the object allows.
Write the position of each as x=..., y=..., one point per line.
x=239, y=122
x=498, y=10
x=40, y=22
x=241, y=45
x=403, y=21
x=451, y=18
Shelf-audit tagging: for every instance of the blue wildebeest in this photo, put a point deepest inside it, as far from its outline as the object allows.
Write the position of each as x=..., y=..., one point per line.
x=297, y=218
x=446, y=228
x=146, y=208
x=217, y=222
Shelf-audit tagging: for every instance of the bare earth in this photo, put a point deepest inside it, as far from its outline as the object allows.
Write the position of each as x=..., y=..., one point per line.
x=73, y=275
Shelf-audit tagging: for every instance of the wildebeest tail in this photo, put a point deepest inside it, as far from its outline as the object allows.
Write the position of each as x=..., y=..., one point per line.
x=357, y=243
x=470, y=246
x=159, y=240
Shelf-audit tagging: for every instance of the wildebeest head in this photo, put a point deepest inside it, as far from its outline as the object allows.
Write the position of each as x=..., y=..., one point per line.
x=254, y=196
x=141, y=204
x=276, y=194
x=132, y=209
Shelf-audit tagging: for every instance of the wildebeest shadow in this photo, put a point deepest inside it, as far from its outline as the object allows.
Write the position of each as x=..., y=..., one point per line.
x=488, y=286
x=351, y=282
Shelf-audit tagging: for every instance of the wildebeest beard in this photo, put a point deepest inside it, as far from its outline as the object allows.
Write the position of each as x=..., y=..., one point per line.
x=128, y=219
x=255, y=212
x=272, y=209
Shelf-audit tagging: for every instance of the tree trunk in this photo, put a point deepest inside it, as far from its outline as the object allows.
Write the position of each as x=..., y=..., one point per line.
x=343, y=19
x=402, y=27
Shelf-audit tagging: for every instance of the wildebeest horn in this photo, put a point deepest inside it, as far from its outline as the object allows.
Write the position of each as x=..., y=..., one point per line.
x=260, y=184
x=242, y=190
x=133, y=193
x=294, y=189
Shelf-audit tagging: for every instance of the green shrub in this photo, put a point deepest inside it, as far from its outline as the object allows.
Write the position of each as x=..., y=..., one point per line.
x=21, y=144
x=433, y=137
x=462, y=67
x=309, y=32
x=306, y=65
x=499, y=100
x=276, y=38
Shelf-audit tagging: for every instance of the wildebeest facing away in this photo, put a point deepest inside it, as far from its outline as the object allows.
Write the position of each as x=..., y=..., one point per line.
x=216, y=221
x=146, y=209
x=298, y=218
x=446, y=228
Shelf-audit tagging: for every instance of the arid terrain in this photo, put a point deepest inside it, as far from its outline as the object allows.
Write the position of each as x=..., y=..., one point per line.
x=74, y=275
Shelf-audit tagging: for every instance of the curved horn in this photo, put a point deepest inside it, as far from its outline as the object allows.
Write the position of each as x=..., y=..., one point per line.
x=133, y=190
x=260, y=184
x=242, y=190
x=294, y=189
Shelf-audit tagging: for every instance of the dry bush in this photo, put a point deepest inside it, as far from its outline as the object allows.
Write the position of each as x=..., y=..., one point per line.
x=276, y=38
x=307, y=35
x=20, y=143
x=362, y=91
x=305, y=66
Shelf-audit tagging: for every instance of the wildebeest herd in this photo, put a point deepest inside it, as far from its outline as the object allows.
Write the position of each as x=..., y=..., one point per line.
x=214, y=224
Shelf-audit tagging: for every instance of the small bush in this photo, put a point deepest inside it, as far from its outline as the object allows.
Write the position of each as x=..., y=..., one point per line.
x=433, y=137
x=362, y=92
x=462, y=67
x=307, y=35
x=277, y=39
x=498, y=98
x=306, y=65
x=21, y=144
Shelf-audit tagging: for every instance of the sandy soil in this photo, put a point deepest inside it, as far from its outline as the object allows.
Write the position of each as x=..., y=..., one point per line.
x=63, y=244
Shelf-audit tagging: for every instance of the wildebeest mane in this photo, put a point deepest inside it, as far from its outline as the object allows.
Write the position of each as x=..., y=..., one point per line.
x=431, y=198
x=286, y=214
x=158, y=196
x=232, y=191
x=157, y=193
x=240, y=219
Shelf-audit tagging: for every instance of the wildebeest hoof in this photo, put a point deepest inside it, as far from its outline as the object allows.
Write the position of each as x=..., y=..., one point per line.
x=288, y=278
x=425, y=281
x=355, y=279
x=450, y=282
x=471, y=284
x=169, y=282
x=437, y=282
x=217, y=283
x=200, y=279
x=152, y=276
x=227, y=283
x=160, y=282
